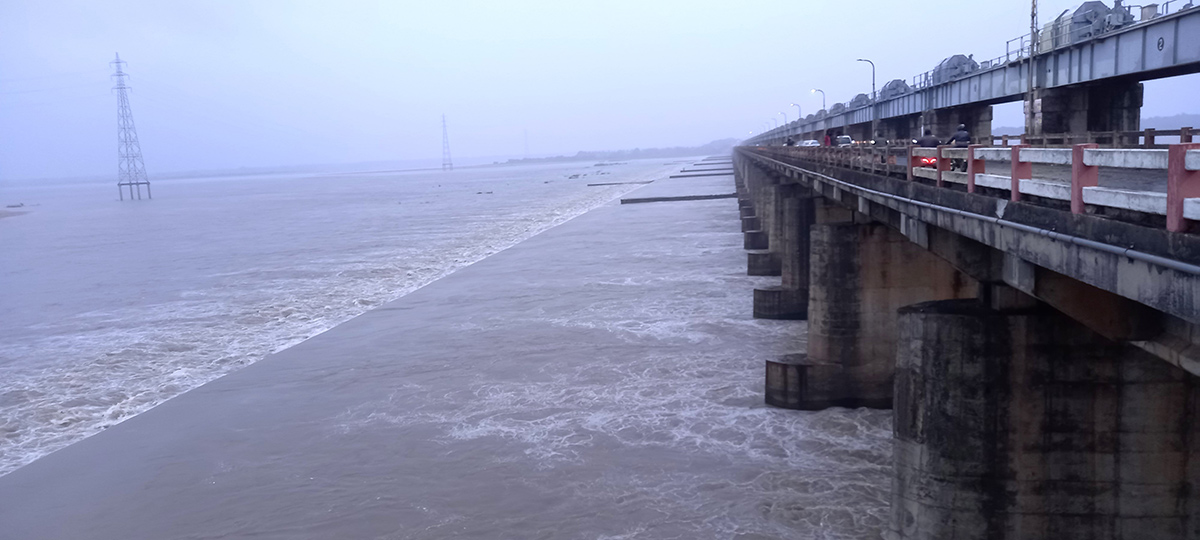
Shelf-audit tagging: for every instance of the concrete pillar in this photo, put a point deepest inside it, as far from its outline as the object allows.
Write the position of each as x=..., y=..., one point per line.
x=977, y=118
x=1026, y=425
x=860, y=275
x=1105, y=107
x=901, y=129
x=860, y=132
x=790, y=299
x=761, y=186
x=766, y=262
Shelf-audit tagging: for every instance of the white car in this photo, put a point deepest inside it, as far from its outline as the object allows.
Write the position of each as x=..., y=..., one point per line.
x=843, y=141
x=810, y=142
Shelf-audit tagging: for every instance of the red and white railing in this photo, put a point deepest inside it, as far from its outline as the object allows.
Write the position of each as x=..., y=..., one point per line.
x=1181, y=163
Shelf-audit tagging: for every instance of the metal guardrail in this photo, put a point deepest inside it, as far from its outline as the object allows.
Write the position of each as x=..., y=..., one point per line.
x=1019, y=49
x=1180, y=204
x=1145, y=138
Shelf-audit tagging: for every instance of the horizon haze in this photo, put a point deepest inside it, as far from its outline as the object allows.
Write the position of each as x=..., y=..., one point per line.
x=225, y=85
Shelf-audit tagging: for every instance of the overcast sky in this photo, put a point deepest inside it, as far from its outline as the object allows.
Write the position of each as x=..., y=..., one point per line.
x=226, y=84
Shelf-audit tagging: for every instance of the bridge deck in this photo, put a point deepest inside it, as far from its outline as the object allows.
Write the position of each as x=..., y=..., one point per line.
x=1153, y=268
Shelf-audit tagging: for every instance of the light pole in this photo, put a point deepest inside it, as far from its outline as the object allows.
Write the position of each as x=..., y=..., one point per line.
x=785, y=122
x=823, y=135
x=872, y=75
x=798, y=121
x=874, y=98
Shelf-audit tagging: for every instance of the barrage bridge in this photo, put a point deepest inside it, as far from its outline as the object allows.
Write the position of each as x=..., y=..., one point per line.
x=1034, y=319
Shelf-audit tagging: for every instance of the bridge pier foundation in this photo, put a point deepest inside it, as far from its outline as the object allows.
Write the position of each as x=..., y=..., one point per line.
x=1025, y=424
x=901, y=129
x=755, y=202
x=1106, y=107
x=860, y=275
x=762, y=222
x=977, y=118
x=790, y=299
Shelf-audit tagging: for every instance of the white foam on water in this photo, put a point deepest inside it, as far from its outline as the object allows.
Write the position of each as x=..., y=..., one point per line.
x=97, y=369
x=820, y=475
x=696, y=391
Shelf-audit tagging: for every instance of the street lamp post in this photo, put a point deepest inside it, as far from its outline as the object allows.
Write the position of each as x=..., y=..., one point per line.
x=785, y=123
x=872, y=75
x=799, y=117
x=874, y=98
x=823, y=135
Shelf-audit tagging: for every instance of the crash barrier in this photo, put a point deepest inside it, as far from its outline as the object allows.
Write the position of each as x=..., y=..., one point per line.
x=1144, y=138
x=967, y=166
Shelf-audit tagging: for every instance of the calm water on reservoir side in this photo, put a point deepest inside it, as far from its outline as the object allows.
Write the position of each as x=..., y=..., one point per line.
x=109, y=308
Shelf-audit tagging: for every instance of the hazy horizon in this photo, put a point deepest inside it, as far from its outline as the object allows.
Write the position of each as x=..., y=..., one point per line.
x=226, y=85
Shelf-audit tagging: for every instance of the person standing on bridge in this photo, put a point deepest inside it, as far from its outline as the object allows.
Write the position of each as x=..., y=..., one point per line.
x=928, y=141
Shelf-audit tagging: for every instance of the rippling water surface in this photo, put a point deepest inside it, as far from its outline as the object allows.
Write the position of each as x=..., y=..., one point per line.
x=652, y=427
x=109, y=308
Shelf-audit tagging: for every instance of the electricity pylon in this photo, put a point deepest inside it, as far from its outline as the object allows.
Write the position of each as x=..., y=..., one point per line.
x=447, y=164
x=131, y=172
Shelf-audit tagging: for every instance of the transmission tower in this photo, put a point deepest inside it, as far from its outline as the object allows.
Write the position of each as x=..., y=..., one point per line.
x=447, y=164
x=131, y=172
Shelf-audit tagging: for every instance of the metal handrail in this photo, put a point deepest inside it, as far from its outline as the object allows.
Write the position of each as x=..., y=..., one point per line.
x=1028, y=46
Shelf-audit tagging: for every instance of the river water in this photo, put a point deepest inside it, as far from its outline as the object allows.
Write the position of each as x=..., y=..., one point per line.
x=108, y=309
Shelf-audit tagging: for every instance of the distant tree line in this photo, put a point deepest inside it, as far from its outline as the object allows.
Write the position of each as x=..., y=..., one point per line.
x=715, y=147
x=1156, y=122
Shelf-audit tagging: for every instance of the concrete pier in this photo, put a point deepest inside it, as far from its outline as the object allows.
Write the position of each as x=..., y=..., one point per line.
x=1025, y=424
x=789, y=300
x=1109, y=107
x=1042, y=367
x=861, y=274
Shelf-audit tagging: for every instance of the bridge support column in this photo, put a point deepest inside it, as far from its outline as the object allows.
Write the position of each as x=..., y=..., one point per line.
x=902, y=129
x=790, y=300
x=741, y=182
x=766, y=262
x=1026, y=425
x=860, y=275
x=752, y=208
x=762, y=259
x=977, y=118
x=1106, y=107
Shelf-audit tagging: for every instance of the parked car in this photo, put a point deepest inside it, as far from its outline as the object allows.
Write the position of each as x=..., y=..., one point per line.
x=843, y=141
x=810, y=142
